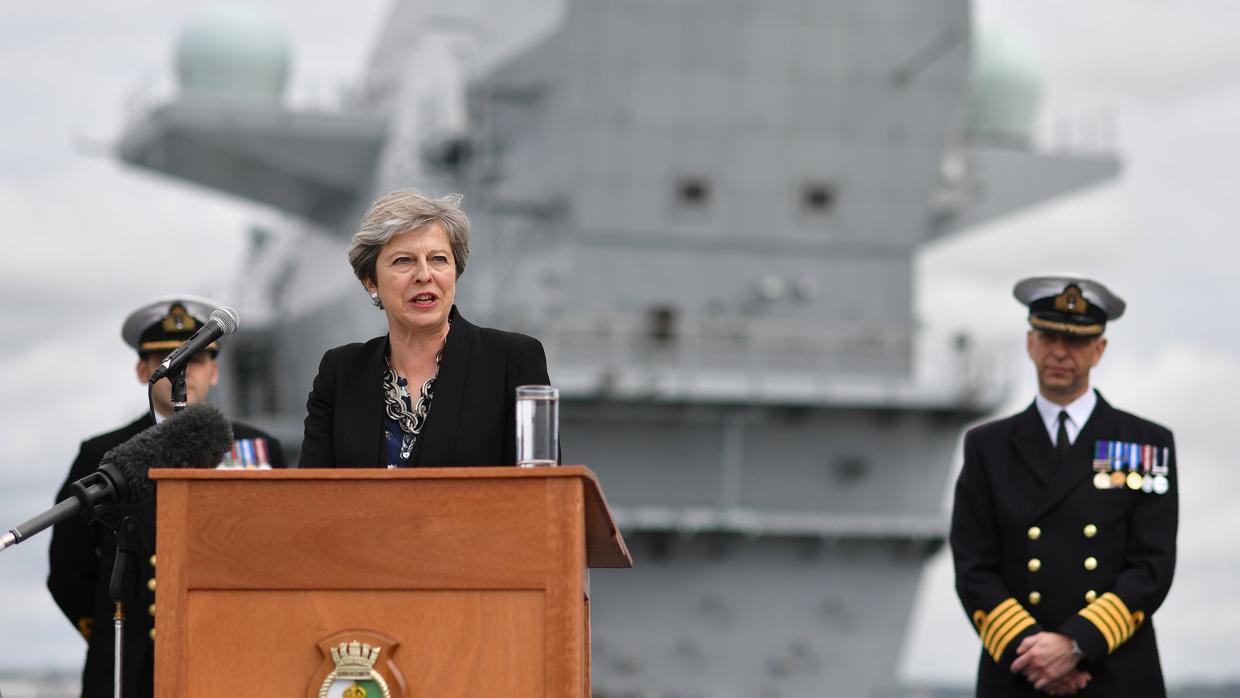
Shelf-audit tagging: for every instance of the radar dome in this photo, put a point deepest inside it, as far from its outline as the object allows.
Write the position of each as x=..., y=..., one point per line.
x=232, y=52
x=1005, y=91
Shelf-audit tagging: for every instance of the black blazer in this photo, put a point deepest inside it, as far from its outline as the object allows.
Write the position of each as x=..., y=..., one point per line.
x=80, y=565
x=472, y=418
x=1013, y=481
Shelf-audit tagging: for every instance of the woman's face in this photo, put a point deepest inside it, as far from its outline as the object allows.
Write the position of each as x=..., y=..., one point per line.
x=415, y=277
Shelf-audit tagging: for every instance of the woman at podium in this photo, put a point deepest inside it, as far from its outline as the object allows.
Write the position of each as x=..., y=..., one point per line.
x=436, y=390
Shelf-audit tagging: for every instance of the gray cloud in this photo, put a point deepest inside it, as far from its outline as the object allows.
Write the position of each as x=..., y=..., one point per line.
x=1145, y=50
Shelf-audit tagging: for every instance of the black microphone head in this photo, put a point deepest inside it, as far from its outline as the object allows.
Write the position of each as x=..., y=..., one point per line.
x=227, y=318
x=196, y=437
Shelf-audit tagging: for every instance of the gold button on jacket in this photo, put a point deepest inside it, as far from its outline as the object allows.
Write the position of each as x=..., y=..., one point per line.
x=1090, y=530
x=1034, y=533
x=1091, y=563
x=1035, y=564
x=1034, y=598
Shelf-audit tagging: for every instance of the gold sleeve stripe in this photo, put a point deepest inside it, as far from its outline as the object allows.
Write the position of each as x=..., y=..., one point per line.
x=998, y=619
x=996, y=651
x=1104, y=626
x=1122, y=620
x=1111, y=616
x=1001, y=625
x=1117, y=603
x=981, y=619
x=1002, y=628
x=1001, y=613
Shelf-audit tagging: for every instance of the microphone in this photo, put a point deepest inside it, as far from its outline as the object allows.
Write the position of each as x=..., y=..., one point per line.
x=196, y=437
x=222, y=323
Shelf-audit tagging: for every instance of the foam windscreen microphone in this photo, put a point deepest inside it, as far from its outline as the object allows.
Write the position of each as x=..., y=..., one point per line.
x=196, y=437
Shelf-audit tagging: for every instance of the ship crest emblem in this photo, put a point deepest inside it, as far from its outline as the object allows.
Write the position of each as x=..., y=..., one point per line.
x=357, y=664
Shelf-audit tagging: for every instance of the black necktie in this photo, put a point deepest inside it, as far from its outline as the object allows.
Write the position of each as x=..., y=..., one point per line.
x=1061, y=439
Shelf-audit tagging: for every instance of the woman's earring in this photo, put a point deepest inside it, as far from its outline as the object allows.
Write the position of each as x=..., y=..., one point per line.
x=374, y=298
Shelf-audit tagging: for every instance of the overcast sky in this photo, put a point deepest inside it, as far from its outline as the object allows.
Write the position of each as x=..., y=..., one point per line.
x=85, y=240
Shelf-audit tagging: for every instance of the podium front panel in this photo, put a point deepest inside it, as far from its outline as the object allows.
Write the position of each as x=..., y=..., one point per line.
x=452, y=643
x=479, y=576
x=370, y=534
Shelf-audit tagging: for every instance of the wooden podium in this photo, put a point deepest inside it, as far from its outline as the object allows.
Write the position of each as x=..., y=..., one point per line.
x=474, y=580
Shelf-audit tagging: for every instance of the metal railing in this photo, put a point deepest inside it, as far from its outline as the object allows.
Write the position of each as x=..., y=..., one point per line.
x=613, y=355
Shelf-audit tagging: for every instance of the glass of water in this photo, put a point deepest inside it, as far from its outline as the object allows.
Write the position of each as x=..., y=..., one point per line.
x=538, y=425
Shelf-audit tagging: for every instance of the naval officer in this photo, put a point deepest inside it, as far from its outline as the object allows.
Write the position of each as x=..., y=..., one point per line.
x=81, y=554
x=1064, y=523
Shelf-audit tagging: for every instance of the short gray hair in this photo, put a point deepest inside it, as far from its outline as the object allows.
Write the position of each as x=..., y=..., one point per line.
x=401, y=212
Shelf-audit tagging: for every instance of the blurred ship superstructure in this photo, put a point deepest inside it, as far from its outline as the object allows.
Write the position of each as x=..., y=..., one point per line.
x=707, y=211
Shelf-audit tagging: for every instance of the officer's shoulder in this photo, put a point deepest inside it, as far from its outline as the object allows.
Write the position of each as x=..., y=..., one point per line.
x=994, y=429
x=1131, y=422
x=105, y=442
x=241, y=430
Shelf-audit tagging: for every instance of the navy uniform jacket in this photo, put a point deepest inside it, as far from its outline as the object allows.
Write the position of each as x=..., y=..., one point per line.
x=472, y=419
x=81, y=557
x=1023, y=525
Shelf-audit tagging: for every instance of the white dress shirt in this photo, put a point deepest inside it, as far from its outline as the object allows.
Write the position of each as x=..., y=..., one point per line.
x=1078, y=413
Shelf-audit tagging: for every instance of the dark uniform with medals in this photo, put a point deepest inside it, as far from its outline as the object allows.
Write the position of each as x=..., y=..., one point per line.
x=1067, y=536
x=82, y=554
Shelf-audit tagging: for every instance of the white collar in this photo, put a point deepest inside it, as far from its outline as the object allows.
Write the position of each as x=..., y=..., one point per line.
x=1078, y=410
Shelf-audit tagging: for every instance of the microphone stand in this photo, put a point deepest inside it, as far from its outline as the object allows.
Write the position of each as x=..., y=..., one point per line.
x=125, y=569
x=122, y=586
x=177, y=378
x=178, y=399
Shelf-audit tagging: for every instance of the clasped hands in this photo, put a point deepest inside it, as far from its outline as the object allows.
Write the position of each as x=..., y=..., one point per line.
x=1047, y=661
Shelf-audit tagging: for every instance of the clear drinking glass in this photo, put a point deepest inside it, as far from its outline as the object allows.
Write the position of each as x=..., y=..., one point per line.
x=538, y=425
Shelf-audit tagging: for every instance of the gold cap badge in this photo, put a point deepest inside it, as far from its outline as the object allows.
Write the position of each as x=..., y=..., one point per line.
x=179, y=320
x=1071, y=301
